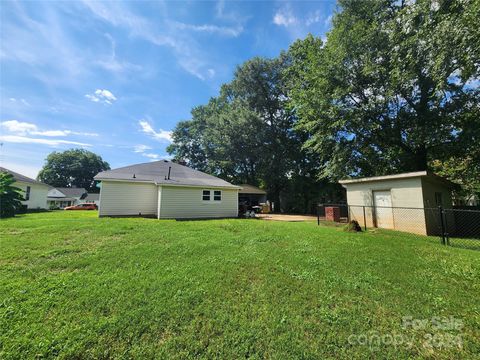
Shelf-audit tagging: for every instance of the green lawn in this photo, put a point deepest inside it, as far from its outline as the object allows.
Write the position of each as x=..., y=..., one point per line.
x=76, y=286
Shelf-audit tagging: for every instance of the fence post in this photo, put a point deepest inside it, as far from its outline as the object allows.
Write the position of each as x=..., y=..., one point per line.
x=364, y=219
x=447, y=239
x=318, y=214
x=442, y=224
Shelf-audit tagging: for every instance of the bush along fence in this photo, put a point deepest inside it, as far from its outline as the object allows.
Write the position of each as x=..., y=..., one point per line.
x=453, y=226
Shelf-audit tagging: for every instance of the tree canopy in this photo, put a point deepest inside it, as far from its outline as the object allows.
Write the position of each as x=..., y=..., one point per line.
x=72, y=168
x=395, y=88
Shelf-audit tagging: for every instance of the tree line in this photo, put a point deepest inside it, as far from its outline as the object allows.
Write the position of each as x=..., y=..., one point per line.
x=395, y=88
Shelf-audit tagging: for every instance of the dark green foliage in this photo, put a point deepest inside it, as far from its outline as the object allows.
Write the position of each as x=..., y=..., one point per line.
x=245, y=135
x=72, y=168
x=10, y=196
x=353, y=226
x=394, y=88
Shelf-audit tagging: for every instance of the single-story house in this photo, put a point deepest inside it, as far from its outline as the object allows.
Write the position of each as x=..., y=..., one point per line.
x=34, y=192
x=406, y=202
x=61, y=197
x=165, y=190
x=92, y=199
x=251, y=195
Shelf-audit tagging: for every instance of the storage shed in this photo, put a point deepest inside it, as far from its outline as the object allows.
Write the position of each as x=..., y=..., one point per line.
x=406, y=202
x=165, y=190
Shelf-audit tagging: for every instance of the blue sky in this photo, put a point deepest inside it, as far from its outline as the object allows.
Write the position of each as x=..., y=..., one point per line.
x=115, y=78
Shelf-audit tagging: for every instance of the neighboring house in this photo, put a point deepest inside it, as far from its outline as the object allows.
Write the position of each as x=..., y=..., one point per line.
x=61, y=197
x=251, y=195
x=34, y=192
x=92, y=199
x=165, y=190
x=406, y=202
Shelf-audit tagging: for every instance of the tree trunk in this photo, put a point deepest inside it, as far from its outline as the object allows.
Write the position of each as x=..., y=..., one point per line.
x=421, y=160
x=276, y=200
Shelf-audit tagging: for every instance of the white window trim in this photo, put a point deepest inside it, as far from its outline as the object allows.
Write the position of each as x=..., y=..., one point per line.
x=201, y=195
x=221, y=197
x=212, y=196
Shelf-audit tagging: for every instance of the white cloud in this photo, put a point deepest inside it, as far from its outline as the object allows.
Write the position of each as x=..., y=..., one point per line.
x=29, y=140
x=156, y=157
x=284, y=17
x=24, y=128
x=141, y=148
x=210, y=28
x=313, y=18
x=19, y=127
x=328, y=20
x=220, y=8
x=189, y=54
x=104, y=96
x=46, y=49
x=158, y=135
x=23, y=101
x=112, y=63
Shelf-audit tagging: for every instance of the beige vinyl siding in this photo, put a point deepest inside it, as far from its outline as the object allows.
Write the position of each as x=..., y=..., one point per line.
x=127, y=198
x=432, y=213
x=404, y=193
x=38, y=194
x=186, y=202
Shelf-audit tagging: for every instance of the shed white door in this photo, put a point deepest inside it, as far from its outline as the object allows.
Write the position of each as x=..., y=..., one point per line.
x=383, y=209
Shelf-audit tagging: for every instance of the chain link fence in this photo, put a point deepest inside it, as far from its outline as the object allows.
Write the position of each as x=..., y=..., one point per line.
x=459, y=227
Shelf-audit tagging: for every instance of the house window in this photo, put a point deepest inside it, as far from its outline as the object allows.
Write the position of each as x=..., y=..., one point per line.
x=438, y=199
x=206, y=195
x=217, y=195
x=27, y=193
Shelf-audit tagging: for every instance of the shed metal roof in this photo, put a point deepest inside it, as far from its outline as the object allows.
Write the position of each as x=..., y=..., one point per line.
x=400, y=176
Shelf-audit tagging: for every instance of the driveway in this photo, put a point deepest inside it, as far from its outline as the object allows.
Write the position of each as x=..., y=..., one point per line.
x=282, y=217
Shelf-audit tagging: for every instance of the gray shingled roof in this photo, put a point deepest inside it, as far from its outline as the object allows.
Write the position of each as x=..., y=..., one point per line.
x=92, y=197
x=71, y=192
x=20, y=177
x=250, y=189
x=157, y=172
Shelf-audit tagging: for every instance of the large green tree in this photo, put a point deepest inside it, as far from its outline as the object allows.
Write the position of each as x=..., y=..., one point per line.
x=245, y=135
x=72, y=168
x=10, y=196
x=394, y=88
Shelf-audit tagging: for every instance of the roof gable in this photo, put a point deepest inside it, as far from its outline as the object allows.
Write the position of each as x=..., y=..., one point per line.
x=21, y=178
x=74, y=192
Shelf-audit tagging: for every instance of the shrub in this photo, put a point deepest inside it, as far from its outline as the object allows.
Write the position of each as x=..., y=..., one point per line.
x=353, y=225
x=10, y=196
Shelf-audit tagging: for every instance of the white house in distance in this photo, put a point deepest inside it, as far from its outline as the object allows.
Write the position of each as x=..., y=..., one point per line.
x=61, y=197
x=406, y=202
x=92, y=199
x=165, y=190
x=34, y=192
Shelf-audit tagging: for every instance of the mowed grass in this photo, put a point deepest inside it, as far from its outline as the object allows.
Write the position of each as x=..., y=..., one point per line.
x=76, y=286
